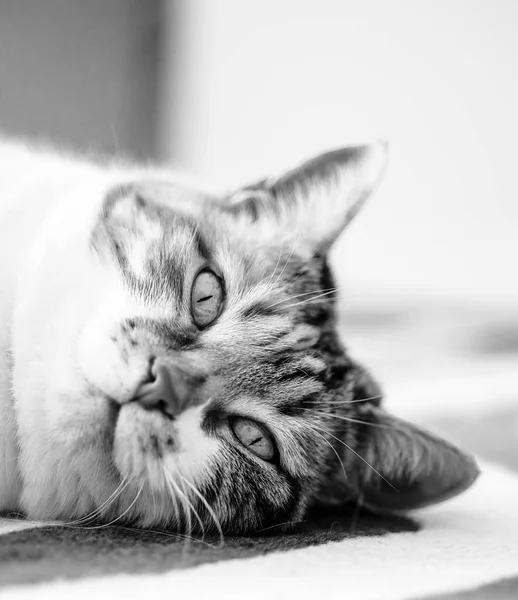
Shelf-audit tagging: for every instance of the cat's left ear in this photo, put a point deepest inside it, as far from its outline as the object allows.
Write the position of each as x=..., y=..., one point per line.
x=317, y=199
x=397, y=466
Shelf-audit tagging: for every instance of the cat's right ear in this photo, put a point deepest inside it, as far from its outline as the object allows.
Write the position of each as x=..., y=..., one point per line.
x=396, y=465
x=316, y=200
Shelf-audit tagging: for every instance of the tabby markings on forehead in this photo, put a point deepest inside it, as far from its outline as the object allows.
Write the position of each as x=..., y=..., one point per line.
x=158, y=273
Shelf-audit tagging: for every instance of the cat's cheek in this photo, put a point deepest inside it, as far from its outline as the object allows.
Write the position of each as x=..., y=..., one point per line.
x=106, y=362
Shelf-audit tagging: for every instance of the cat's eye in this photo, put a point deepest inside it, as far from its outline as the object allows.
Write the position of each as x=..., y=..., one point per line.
x=206, y=298
x=254, y=437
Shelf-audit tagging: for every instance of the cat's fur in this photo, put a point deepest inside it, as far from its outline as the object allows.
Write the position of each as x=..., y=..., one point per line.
x=97, y=264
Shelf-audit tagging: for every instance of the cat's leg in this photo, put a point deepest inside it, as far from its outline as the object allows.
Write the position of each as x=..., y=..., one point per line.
x=64, y=451
x=10, y=486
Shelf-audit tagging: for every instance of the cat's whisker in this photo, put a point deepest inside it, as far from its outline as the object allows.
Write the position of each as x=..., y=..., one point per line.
x=331, y=446
x=183, y=518
x=358, y=455
x=348, y=419
x=287, y=261
x=208, y=507
x=272, y=274
x=280, y=525
x=123, y=514
x=190, y=508
x=300, y=295
x=102, y=507
x=176, y=494
x=169, y=483
x=312, y=299
x=188, y=512
x=178, y=536
x=355, y=401
x=174, y=500
x=153, y=498
x=269, y=277
x=112, y=499
x=193, y=509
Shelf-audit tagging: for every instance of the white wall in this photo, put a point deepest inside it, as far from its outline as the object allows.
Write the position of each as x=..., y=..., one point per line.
x=260, y=84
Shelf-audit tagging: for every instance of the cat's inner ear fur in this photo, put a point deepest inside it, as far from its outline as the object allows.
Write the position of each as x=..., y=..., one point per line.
x=402, y=466
x=316, y=200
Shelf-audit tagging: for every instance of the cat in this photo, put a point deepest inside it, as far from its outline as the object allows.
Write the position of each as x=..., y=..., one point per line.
x=170, y=357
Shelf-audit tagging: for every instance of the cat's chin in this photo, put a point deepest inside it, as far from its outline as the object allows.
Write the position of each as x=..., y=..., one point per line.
x=159, y=454
x=142, y=439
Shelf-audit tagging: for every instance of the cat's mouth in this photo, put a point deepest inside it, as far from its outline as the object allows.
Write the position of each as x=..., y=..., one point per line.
x=145, y=423
x=156, y=405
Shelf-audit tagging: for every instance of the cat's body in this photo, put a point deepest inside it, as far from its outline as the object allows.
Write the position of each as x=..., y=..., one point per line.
x=118, y=282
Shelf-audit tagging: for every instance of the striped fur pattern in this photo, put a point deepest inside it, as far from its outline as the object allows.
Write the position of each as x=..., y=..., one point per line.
x=88, y=451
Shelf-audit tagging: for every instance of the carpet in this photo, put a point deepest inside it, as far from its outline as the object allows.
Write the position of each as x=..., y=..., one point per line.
x=463, y=385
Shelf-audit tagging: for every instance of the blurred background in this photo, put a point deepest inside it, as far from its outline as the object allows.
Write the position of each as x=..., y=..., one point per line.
x=230, y=90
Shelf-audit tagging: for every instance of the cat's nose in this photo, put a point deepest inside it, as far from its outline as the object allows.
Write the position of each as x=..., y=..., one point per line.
x=168, y=389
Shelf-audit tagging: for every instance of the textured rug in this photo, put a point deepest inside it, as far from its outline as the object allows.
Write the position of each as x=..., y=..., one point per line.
x=464, y=387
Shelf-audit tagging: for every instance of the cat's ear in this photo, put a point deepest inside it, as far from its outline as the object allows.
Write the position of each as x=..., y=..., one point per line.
x=125, y=207
x=126, y=217
x=315, y=200
x=399, y=466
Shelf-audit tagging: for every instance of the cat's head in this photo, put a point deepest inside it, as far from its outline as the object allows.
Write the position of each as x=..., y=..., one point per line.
x=209, y=385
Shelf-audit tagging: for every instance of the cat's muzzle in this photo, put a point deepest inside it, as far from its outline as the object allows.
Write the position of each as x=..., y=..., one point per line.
x=169, y=389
